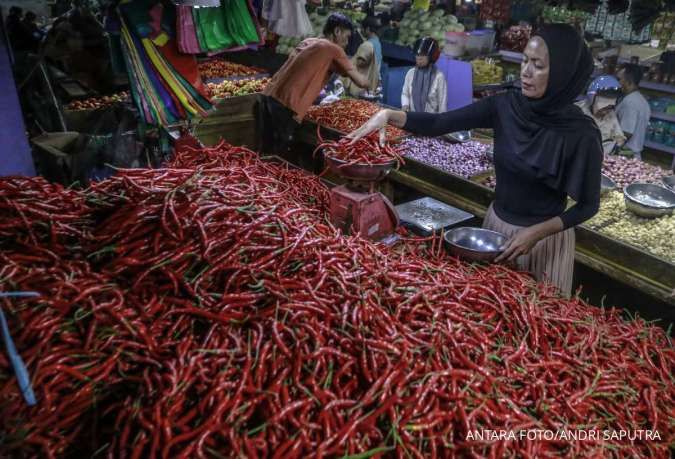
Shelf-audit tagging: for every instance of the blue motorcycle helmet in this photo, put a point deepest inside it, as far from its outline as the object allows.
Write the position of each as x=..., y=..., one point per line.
x=605, y=87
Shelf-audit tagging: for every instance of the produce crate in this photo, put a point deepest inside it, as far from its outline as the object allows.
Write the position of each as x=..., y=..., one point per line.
x=232, y=119
x=103, y=119
x=81, y=120
x=257, y=76
x=480, y=178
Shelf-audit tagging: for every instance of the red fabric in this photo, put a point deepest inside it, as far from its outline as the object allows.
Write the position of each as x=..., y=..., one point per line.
x=184, y=64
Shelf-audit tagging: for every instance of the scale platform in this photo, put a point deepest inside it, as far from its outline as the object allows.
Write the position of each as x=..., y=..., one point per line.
x=427, y=215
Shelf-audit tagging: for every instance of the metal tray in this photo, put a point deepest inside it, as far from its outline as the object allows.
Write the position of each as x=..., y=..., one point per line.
x=427, y=215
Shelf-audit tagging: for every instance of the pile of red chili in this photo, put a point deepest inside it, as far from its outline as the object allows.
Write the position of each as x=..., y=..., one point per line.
x=347, y=115
x=209, y=310
x=366, y=150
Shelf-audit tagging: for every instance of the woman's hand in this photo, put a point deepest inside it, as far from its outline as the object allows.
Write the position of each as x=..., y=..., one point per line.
x=524, y=240
x=378, y=121
x=520, y=244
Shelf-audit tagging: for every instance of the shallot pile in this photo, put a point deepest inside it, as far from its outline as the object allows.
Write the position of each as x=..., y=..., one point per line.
x=463, y=159
x=625, y=171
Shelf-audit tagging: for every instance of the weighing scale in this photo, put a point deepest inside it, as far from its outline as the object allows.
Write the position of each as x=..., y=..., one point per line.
x=356, y=208
x=427, y=215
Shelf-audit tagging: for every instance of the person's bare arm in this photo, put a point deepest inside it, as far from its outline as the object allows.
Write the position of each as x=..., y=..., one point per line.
x=359, y=79
x=476, y=115
x=379, y=122
x=397, y=118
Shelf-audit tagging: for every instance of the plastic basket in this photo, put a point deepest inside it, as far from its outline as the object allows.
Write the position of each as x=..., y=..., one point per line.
x=480, y=42
x=455, y=43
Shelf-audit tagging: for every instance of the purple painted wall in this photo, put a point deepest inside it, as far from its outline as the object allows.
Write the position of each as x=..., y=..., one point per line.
x=15, y=153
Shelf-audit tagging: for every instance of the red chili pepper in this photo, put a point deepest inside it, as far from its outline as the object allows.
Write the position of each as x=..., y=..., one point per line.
x=347, y=115
x=242, y=322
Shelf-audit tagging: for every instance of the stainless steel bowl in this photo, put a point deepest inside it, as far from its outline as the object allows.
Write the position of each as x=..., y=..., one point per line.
x=649, y=201
x=363, y=172
x=606, y=185
x=669, y=182
x=460, y=136
x=475, y=244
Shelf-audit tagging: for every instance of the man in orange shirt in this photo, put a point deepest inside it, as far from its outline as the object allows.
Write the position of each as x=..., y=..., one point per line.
x=299, y=82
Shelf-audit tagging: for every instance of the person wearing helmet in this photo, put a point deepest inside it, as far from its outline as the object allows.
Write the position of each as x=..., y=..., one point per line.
x=600, y=104
x=425, y=88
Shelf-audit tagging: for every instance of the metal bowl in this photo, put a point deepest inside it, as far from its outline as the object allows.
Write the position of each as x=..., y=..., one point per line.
x=460, y=136
x=649, y=201
x=363, y=172
x=669, y=182
x=475, y=244
x=606, y=185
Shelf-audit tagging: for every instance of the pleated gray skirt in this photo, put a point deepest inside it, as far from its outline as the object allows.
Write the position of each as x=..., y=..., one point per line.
x=550, y=260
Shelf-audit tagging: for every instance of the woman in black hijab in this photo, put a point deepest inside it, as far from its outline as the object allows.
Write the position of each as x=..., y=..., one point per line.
x=545, y=150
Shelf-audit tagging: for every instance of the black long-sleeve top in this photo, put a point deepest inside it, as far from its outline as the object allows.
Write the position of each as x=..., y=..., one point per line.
x=521, y=197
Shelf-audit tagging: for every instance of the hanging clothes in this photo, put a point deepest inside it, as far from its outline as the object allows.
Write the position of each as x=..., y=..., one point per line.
x=271, y=10
x=165, y=84
x=258, y=7
x=293, y=19
x=186, y=32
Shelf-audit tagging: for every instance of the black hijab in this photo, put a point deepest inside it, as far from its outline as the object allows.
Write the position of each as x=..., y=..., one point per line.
x=553, y=135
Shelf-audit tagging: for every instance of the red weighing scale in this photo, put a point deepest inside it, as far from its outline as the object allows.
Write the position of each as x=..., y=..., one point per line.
x=356, y=208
